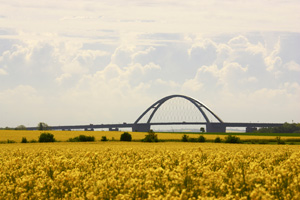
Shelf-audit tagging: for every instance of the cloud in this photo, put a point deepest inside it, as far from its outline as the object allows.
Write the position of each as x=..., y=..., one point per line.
x=239, y=42
x=80, y=18
x=89, y=60
x=63, y=77
x=203, y=52
x=192, y=85
x=211, y=79
x=3, y=72
x=7, y=31
x=272, y=60
x=89, y=82
x=292, y=66
x=122, y=55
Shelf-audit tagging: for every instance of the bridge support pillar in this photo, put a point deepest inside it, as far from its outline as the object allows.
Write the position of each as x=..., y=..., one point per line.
x=250, y=129
x=215, y=127
x=141, y=127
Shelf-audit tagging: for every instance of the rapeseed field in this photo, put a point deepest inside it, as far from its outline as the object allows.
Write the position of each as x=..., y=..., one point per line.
x=135, y=170
x=17, y=135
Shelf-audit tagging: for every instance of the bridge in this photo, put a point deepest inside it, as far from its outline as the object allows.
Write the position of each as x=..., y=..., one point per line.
x=202, y=115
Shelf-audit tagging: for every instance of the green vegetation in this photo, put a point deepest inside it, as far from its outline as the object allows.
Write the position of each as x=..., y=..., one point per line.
x=104, y=139
x=232, y=139
x=279, y=141
x=82, y=138
x=285, y=128
x=126, y=137
x=46, y=137
x=21, y=127
x=185, y=138
x=218, y=140
x=151, y=137
x=24, y=140
x=42, y=126
x=201, y=138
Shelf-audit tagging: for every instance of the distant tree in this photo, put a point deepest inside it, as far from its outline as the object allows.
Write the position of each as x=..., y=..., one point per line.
x=24, y=140
x=20, y=127
x=285, y=128
x=125, y=137
x=82, y=138
x=201, y=139
x=151, y=137
x=104, y=139
x=279, y=141
x=218, y=140
x=42, y=126
x=185, y=138
x=232, y=139
x=46, y=137
x=202, y=129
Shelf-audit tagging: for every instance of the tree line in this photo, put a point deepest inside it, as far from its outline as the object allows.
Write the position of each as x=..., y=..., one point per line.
x=41, y=127
x=285, y=128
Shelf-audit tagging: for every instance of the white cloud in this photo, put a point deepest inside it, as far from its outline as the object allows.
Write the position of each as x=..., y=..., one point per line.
x=63, y=77
x=92, y=81
x=229, y=76
x=122, y=56
x=239, y=42
x=3, y=72
x=92, y=61
x=141, y=53
x=82, y=19
x=231, y=73
x=192, y=85
x=292, y=66
x=272, y=60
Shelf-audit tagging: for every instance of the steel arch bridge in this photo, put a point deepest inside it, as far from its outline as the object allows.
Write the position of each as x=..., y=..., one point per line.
x=203, y=110
x=152, y=110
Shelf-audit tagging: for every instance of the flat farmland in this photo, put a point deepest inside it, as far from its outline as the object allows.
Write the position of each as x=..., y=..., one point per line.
x=17, y=135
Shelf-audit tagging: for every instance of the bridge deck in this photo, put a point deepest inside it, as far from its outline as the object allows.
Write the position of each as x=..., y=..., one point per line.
x=130, y=125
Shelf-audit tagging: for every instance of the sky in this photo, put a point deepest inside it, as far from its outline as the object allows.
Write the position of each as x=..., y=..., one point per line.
x=81, y=62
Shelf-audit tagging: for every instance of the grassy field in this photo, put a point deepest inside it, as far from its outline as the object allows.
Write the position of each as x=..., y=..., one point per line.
x=115, y=135
x=135, y=170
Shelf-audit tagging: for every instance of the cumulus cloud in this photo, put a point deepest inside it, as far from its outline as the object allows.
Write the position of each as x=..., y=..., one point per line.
x=272, y=60
x=97, y=82
x=83, y=67
x=292, y=66
x=203, y=52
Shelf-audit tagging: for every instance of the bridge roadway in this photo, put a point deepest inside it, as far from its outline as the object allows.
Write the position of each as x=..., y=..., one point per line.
x=144, y=127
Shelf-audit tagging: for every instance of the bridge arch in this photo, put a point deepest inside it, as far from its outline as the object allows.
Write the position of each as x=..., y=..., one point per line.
x=154, y=107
